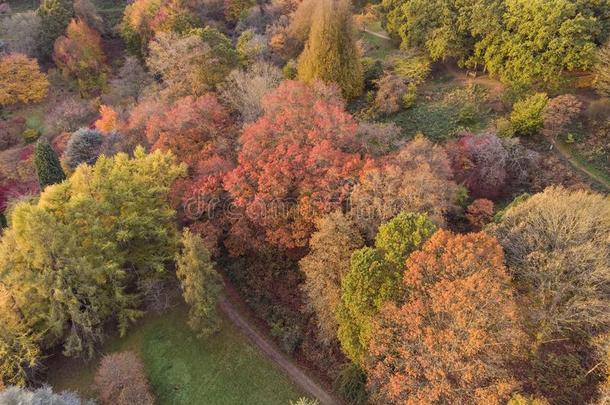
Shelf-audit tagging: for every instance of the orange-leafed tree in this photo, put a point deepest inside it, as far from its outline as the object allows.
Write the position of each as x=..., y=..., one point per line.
x=79, y=55
x=109, y=119
x=454, y=337
x=21, y=80
x=296, y=162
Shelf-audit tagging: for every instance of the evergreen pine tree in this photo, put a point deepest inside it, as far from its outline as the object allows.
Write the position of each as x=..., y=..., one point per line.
x=330, y=54
x=48, y=168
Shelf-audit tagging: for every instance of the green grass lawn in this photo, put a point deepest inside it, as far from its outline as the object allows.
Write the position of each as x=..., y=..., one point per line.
x=222, y=369
x=440, y=117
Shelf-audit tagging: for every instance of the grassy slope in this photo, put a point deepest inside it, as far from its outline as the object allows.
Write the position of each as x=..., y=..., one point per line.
x=182, y=369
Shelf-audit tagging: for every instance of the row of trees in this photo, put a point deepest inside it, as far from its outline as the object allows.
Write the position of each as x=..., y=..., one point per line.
x=520, y=41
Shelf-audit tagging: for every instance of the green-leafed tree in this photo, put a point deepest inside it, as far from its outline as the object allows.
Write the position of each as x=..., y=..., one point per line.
x=328, y=261
x=375, y=277
x=201, y=284
x=330, y=53
x=72, y=259
x=48, y=167
x=54, y=18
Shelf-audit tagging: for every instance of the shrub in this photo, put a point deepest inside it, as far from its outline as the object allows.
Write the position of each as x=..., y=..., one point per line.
x=559, y=113
x=480, y=212
x=30, y=135
x=21, y=80
x=83, y=147
x=10, y=132
x=391, y=90
x=526, y=117
x=44, y=395
x=121, y=380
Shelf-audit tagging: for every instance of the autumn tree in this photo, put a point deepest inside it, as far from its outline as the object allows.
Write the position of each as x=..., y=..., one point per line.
x=295, y=163
x=109, y=119
x=84, y=146
x=69, y=258
x=330, y=54
x=142, y=19
x=201, y=133
x=48, y=167
x=121, y=380
x=21, y=80
x=374, y=279
x=244, y=91
x=602, y=71
x=556, y=251
x=327, y=262
x=54, y=18
x=555, y=244
x=79, y=54
x=454, y=337
x=418, y=178
x=207, y=56
x=201, y=284
x=193, y=128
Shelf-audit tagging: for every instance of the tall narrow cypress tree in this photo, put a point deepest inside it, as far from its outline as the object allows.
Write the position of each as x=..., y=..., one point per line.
x=331, y=54
x=47, y=164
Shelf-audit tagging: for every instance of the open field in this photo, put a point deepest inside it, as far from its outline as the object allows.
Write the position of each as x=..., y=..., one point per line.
x=222, y=369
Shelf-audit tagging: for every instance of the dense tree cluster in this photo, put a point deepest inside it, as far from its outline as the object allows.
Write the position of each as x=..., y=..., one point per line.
x=397, y=233
x=521, y=41
x=80, y=247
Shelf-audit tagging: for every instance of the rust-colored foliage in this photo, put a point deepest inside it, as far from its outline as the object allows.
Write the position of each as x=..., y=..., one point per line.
x=79, y=54
x=452, y=339
x=296, y=162
x=480, y=212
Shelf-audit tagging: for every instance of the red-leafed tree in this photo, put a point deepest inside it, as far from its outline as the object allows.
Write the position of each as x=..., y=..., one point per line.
x=200, y=132
x=296, y=162
x=454, y=337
